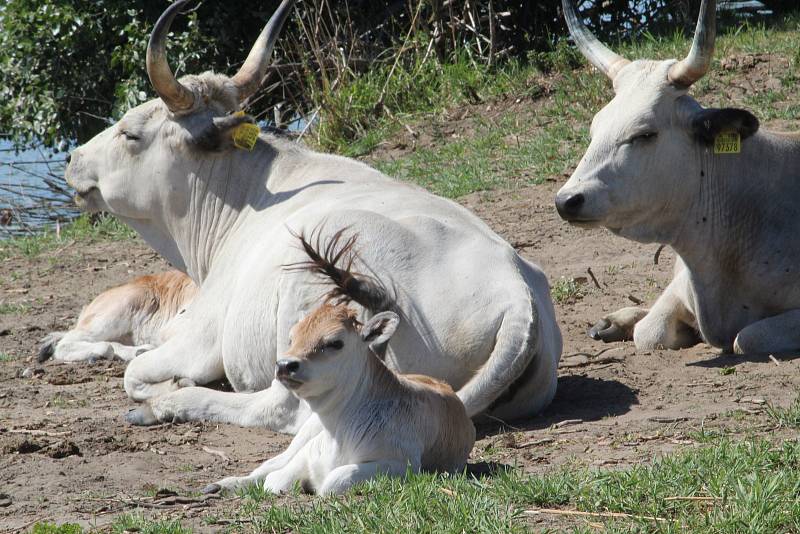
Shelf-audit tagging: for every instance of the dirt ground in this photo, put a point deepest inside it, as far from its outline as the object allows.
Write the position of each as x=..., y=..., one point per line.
x=67, y=455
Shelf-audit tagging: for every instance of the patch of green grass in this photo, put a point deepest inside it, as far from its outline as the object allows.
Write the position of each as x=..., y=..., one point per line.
x=725, y=487
x=82, y=230
x=137, y=522
x=52, y=528
x=8, y=308
x=566, y=290
x=5, y=357
x=786, y=417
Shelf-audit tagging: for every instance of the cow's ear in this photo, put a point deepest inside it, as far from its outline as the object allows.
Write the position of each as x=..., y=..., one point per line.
x=377, y=331
x=218, y=134
x=707, y=124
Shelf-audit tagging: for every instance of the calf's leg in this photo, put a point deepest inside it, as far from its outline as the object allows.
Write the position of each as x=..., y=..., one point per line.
x=307, y=432
x=344, y=477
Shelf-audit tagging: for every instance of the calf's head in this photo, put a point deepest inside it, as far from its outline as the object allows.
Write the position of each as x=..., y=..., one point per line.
x=648, y=145
x=329, y=348
x=147, y=167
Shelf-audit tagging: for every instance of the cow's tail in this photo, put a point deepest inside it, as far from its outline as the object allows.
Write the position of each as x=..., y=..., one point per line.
x=47, y=345
x=516, y=345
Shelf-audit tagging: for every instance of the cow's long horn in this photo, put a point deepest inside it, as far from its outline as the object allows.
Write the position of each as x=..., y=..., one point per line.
x=249, y=77
x=596, y=52
x=687, y=71
x=175, y=96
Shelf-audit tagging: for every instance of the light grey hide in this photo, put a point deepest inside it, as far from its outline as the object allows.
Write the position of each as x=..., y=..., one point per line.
x=651, y=174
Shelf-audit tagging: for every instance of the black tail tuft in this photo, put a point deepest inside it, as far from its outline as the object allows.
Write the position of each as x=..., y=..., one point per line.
x=334, y=260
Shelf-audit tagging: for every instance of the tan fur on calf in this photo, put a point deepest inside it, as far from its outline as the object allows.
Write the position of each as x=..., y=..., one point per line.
x=124, y=320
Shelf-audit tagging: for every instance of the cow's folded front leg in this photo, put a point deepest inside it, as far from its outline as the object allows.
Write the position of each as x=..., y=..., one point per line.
x=779, y=334
x=274, y=408
x=617, y=326
x=182, y=361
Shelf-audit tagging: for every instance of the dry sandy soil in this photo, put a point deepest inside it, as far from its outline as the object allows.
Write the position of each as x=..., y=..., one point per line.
x=67, y=455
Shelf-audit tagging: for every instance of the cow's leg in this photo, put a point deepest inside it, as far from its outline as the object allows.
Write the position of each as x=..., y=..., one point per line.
x=344, y=477
x=617, y=326
x=186, y=359
x=275, y=408
x=779, y=334
x=308, y=431
x=669, y=324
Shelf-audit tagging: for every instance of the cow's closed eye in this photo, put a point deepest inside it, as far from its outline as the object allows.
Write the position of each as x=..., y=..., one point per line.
x=129, y=136
x=643, y=137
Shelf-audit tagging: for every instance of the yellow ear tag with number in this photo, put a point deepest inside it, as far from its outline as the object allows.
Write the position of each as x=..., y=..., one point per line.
x=728, y=143
x=246, y=134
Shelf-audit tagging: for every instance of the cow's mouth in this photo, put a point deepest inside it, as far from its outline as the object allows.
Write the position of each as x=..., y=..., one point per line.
x=290, y=383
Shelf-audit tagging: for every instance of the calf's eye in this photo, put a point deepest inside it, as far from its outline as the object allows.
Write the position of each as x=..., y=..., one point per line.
x=335, y=345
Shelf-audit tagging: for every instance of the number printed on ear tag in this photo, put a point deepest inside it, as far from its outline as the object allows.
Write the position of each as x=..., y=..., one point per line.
x=245, y=136
x=728, y=143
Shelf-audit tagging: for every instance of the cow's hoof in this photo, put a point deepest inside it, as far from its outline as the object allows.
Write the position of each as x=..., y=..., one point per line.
x=212, y=488
x=141, y=416
x=608, y=332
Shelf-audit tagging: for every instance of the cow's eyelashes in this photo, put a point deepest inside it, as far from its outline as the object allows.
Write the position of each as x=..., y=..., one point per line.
x=336, y=344
x=643, y=137
x=129, y=136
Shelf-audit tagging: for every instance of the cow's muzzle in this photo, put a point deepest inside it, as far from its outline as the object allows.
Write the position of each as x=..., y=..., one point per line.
x=570, y=205
x=286, y=371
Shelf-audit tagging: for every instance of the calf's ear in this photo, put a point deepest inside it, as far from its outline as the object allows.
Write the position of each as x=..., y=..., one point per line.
x=377, y=331
x=218, y=134
x=707, y=124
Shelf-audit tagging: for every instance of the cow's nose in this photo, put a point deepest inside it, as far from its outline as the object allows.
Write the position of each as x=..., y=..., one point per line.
x=569, y=206
x=287, y=367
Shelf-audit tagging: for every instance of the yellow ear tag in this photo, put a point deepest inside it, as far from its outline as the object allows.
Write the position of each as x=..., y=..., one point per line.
x=728, y=143
x=246, y=134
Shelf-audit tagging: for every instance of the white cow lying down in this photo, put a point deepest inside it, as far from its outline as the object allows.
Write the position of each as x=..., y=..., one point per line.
x=365, y=418
x=123, y=321
x=658, y=170
x=475, y=314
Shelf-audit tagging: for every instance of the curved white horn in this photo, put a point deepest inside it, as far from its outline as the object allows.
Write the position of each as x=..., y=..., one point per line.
x=596, y=52
x=687, y=71
x=249, y=77
x=175, y=96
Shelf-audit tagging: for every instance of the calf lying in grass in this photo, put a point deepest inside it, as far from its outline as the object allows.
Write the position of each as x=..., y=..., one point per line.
x=365, y=418
x=123, y=321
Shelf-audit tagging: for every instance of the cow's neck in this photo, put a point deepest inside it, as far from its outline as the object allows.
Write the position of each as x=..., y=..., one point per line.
x=224, y=193
x=733, y=204
x=372, y=381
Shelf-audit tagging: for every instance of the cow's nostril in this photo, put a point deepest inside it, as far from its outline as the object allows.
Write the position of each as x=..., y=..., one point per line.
x=69, y=158
x=569, y=207
x=574, y=202
x=288, y=366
